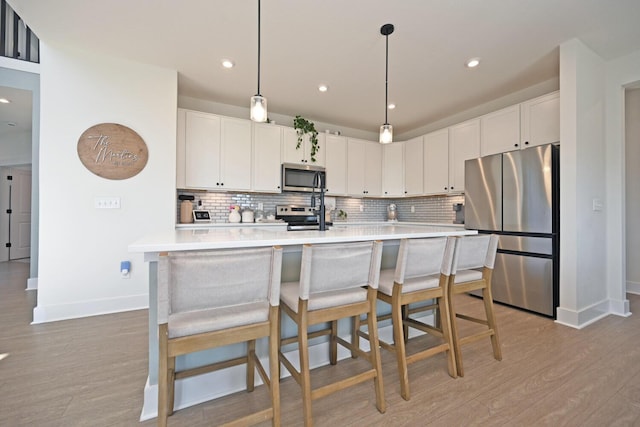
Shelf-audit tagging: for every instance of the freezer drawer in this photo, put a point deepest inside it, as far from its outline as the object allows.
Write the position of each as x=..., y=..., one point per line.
x=524, y=281
x=538, y=245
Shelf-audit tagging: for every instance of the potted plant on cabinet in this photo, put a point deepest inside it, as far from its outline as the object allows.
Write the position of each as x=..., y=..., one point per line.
x=304, y=127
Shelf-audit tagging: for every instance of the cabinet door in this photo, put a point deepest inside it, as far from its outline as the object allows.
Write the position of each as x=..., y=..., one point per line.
x=500, y=131
x=202, y=150
x=413, y=166
x=464, y=144
x=235, y=154
x=289, y=142
x=540, y=119
x=436, y=162
x=267, y=141
x=336, y=164
x=301, y=155
x=373, y=169
x=393, y=169
x=180, y=149
x=355, y=167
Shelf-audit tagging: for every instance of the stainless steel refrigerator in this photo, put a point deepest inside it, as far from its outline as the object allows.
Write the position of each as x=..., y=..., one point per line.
x=516, y=195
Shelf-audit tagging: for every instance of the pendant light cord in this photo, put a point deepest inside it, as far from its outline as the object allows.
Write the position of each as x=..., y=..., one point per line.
x=386, y=83
x=258, y=48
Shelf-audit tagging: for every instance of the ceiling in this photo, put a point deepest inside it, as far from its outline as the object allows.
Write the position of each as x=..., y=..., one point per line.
x=338, y=43
x=15, y=117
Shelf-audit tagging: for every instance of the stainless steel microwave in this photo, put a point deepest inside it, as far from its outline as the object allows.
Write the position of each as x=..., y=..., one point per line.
x=305, y=178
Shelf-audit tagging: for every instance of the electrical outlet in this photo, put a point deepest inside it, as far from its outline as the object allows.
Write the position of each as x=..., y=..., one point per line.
x=107, y=202
x=361, y=208
x=413, y=209
x=260, y=206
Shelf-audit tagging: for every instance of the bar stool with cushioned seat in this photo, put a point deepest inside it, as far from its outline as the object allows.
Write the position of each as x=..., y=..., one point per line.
x=472, y=270
x=422, y=274
x=216, y=298
x=336, y=281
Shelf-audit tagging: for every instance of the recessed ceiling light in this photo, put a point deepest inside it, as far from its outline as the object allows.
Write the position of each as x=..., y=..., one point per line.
x=323, y=88
x=4, y=101
x=473, y=62
x=228, y=63
x=391, y=106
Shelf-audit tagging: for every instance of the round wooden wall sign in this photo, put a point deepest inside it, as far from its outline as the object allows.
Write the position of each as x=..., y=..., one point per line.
x=112, y=151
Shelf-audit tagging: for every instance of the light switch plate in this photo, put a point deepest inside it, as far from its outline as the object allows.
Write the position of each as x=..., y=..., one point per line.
x=107, y=202
x=597, y=205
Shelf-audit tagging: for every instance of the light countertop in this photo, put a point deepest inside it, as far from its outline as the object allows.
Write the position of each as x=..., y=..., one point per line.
x=243, y=237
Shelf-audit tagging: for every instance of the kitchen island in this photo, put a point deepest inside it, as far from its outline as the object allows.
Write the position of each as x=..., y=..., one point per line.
x=190, y=391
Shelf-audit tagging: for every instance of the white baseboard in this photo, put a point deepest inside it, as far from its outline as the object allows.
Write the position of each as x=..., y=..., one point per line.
x=633, y=287
x=52, y=313
x=32, y=283
x=197, y=389
x=580, y=318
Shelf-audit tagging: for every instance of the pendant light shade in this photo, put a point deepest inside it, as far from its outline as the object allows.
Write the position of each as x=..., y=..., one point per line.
x=258, y=102
x=386, y=130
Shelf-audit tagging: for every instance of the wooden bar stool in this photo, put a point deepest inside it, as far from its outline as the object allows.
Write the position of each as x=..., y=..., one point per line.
x=472, y=270
x=336, y=281
x=216, y=298
x=421, y=274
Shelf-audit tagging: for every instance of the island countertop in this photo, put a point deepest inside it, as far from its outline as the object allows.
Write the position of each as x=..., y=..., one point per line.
x=220, y=238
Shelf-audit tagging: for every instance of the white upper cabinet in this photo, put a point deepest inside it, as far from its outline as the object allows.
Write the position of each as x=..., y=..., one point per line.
x=540, y=118
x=336, y=164
x=500, y=131
x=301, y=155
x=235, y=154
x=364, y=168
x=464, y=144
x=436, y=162
x=267, y=142
x=414, y=166
x=217, y=152
x=393, y=170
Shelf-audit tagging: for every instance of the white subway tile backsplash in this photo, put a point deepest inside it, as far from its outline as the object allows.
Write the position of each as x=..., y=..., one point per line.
x=426, y=209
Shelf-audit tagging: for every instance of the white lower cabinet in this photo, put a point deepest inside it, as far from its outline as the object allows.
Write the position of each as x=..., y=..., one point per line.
x=267, y=143
x=393, y=170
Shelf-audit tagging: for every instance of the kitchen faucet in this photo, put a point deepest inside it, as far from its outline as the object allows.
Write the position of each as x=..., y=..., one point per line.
x=318, y=183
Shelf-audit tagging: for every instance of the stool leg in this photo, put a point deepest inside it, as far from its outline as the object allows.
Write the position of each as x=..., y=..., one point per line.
x=333, y=343
x=274, y=365
x=251, y=364
x=405, y=328
x=397, y=316
x=355, y=338
x=163, y=376
x=444, y=320
x=454, y=329
x=487, y=298
x=303, y=349
x=171, y=366
x=376, y=362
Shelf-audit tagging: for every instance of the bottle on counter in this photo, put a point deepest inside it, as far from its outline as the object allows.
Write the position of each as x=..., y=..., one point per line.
x=186, y=209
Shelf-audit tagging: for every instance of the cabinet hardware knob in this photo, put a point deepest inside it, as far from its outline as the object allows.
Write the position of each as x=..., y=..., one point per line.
x=526, y=143
x=217, y=183
x=515, y=145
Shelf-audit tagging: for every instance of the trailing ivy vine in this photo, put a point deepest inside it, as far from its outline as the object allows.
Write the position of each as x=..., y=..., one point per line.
x=303, y=127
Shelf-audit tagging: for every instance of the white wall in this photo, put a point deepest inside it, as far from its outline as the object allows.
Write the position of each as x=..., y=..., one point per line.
x=15, y=149
x=583, y=294
x=621, y=73
x=81, y=247
x=632, y=193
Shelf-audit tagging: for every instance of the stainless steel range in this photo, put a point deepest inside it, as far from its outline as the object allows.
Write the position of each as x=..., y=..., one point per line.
x=299, y=217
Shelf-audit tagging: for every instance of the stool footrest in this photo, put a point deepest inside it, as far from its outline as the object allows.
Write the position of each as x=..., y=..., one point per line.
x=341, y=385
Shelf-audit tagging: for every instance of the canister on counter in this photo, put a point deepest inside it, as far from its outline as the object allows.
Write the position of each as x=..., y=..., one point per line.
x=186, y=209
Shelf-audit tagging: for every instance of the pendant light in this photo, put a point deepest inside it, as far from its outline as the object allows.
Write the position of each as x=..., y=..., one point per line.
x=258, y=102
x=386, y=130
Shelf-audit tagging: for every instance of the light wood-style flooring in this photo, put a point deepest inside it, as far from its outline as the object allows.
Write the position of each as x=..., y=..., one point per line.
x=92, y=371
